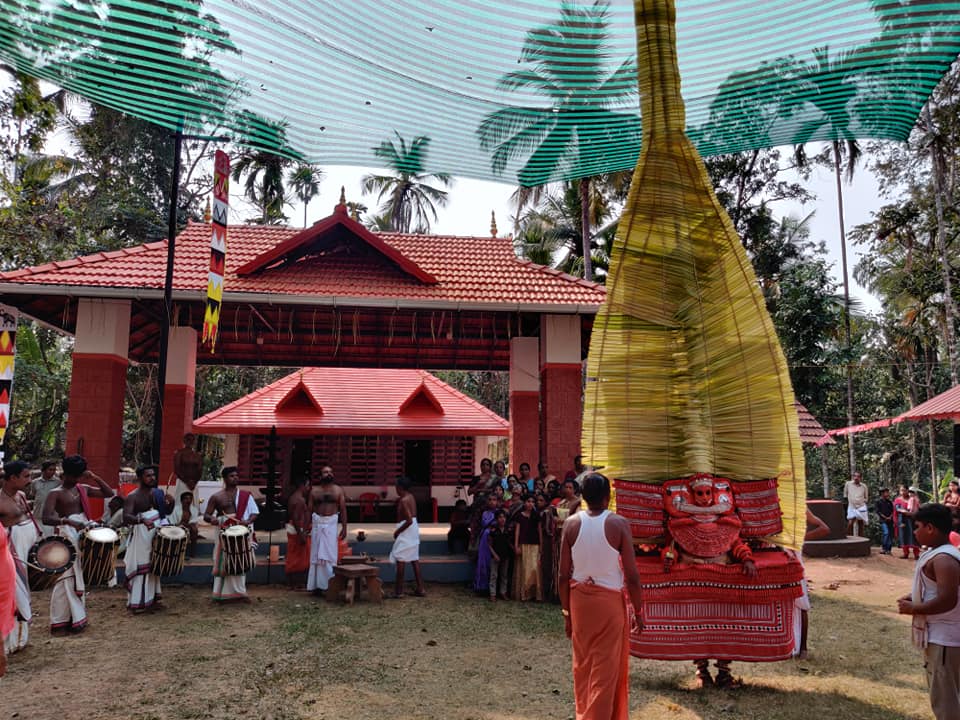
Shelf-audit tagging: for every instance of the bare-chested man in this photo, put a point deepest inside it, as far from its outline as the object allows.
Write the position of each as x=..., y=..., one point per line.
x=67, y=508
x=188, y=468
x=141, y=513
x=24, y=532
x=406, y=538
x=231, y=506
x=327, y=505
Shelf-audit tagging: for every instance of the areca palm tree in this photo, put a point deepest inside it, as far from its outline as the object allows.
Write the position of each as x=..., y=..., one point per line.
x=305, y=182
x=409, y=196
x=566, y=63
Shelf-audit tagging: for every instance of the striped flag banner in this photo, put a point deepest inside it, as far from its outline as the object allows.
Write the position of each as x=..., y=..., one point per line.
x=8, y=348
x=218, y=248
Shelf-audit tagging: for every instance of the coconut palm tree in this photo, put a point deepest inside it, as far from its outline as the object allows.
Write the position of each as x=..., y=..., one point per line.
x=829, y=83
x=567, y=64
x=305, y=180
x=409, y=197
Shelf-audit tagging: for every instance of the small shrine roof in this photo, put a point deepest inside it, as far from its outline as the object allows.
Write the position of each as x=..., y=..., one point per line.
x=338, y=401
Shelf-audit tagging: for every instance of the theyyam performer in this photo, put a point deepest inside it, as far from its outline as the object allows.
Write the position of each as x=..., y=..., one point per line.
x=227, y=508
x=688, y=392
x=23, y=532
x=67, y=509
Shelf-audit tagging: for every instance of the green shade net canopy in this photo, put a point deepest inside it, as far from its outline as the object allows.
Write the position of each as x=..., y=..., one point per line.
x=521, y=91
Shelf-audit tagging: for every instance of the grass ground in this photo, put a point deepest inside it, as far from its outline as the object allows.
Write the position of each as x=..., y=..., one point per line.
x=448, y=656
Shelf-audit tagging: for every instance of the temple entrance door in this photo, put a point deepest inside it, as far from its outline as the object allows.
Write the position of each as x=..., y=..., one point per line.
x=301, y=459
x=417, y=457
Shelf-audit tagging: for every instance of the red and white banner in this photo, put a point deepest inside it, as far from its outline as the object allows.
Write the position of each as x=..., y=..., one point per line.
x=8, y=348
x=218, y=247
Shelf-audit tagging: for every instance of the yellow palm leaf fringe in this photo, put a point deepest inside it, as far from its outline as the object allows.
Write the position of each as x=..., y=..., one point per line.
x=685, y=373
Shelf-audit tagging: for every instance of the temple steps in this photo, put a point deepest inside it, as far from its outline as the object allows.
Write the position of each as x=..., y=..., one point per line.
x=436, y=563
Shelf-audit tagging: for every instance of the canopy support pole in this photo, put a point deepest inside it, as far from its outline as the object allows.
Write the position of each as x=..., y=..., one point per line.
x=167, y=299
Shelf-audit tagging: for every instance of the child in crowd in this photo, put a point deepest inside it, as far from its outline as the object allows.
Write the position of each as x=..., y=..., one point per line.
x=187, y=516
x=500, y=551
x=458, y=537
x=526, y=547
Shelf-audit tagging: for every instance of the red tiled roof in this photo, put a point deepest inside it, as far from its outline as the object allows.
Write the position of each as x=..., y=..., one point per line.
x=358, y=402
x=811, y=431
x=945, y=406
x=340, y=266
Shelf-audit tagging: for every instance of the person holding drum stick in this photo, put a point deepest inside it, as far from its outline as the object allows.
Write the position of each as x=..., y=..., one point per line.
x=68, y=509
x=142, y=515
x=233, y=511
x=24, y=532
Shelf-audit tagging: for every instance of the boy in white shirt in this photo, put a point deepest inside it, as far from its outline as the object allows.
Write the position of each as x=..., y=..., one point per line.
x=934, y=605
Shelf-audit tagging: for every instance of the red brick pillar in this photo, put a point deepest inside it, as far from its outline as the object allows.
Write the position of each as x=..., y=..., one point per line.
x=524, y=402
x=178, y=396
x=561, y=391
x=98, y=385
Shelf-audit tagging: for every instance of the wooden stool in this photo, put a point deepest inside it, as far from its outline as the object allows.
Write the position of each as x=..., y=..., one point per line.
x=349, y=580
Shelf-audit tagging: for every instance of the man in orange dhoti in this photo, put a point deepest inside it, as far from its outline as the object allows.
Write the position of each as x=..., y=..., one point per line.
x=298, y=535
x=596, y=558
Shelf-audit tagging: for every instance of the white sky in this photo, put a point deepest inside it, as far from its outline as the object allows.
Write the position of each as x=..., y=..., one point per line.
x=471, y=202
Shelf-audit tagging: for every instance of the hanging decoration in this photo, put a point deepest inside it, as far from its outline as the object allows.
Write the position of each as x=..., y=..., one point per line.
x=8, y=343
x=218, y=247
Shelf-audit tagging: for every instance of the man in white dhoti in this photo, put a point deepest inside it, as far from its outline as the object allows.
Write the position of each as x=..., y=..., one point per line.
x=327, y=504
x=24, y=532
x=40, y=489
x=142, y=516
x=855, y=492
x=67, y=509
x=406, y=539
x=231, y=506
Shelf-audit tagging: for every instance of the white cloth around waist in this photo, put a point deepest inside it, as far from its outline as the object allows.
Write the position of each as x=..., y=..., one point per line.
x=406, y=546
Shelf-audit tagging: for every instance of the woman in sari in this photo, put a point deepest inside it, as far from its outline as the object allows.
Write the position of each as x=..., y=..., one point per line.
x=481, y=577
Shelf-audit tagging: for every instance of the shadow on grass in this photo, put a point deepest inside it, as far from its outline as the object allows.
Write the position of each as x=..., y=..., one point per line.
x=454, y=655
x=765, y=703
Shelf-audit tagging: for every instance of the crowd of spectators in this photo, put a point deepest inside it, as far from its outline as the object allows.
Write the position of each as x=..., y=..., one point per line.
x=512, y=529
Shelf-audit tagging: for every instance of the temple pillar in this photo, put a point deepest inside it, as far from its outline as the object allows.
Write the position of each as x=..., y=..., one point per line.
x=178, y=396
x=524, y=402
x=561, y=391
x=98, y=385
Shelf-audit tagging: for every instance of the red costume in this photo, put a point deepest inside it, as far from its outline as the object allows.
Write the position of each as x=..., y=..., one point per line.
x=698, y=602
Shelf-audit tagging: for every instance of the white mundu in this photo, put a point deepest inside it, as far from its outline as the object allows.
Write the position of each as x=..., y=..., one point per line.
x=594, y=561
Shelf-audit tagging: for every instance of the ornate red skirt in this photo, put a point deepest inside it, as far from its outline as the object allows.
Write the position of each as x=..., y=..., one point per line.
x=715, y=611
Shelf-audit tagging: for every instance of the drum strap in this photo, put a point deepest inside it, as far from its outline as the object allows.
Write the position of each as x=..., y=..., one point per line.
x=242, y=500
x=22, y=502
x=84, y=500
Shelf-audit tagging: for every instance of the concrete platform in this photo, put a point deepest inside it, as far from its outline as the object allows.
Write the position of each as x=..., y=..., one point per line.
x=850, y=546
x=436, y=564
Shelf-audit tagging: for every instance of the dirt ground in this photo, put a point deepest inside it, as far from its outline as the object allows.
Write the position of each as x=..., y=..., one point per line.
x=450, y=656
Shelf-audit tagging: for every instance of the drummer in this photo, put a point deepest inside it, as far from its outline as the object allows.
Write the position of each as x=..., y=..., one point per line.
x=24, y=532
x=141, y=512
x=230, y=506
x=68, y=509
